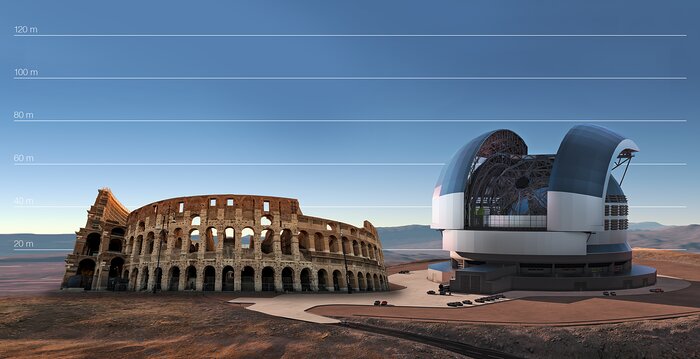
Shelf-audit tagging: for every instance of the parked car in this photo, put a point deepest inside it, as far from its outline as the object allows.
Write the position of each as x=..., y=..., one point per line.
x=613, y=294
x=376, y=302
x=656, y=290
x=467, y=301
x=606, y=293
x=452, y=304
x=479, y=300
x=384, y=303
x=431, y=292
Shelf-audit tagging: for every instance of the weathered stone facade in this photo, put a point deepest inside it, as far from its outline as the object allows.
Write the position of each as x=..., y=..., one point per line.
x=221, y=243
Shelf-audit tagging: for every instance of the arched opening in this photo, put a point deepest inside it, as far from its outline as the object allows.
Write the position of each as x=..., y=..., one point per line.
x=126, y=274
x=229, y=242
x=247, y=236
x=196, y=221
x=330, y=227
x=86, y=269
x=381, y=283
x=162, y=241
x=352, y=280
x=319, y=243
x=209, y=278
x=248, y=279
x=305, y=279
x=370, y=251
x=363, y=247
x=144, y=281
x=337, y=279
x=356, y=248
x=212, y=239
x=92, y=244
x=150, y=241
x=334, y=244
x=174, y=279
x=347, y=246
x=322, y=280
x=376, y=283
x=288, y=279
x=138, y=245
x=227, y=279
x=194, y=241
x=177, y=248
x=304, y=244
x=266, y=245
x=115, y=245
x=286, y=241
x=368, y=281
x=134, y=278
x=159, y=278
x=361, y=282
x=115, y=270
x=191, y=278
x=268, y=279
x=266, y=221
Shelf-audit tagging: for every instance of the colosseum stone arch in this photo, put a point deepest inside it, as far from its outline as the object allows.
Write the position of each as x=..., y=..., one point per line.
x=222, y=242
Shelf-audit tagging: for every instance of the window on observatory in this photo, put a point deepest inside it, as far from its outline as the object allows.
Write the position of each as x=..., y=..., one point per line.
x=509, y=192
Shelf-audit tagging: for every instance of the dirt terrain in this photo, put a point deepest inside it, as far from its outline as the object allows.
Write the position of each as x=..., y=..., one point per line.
x=667, y=338
x=83, y=324
x=87, y=325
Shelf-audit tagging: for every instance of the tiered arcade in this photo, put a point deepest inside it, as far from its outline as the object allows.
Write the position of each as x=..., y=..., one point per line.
x=222, y=243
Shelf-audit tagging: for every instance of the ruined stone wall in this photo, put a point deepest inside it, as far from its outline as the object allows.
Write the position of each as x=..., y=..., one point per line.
x=232, y=242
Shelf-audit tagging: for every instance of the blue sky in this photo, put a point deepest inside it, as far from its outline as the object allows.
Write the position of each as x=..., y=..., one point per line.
x=59, y=195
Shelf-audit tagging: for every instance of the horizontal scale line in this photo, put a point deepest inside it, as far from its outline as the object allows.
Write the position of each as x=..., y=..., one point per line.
x=233, y=164
x=278, y=164
x=350, y=35
x=323, y=206
x=658, y=164
x=349, y=78
x=43, y=249
x=413, y=249
x=350, y=120
x=658, y=206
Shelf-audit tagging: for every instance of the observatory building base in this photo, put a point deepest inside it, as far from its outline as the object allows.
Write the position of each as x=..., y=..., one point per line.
x=496, y=278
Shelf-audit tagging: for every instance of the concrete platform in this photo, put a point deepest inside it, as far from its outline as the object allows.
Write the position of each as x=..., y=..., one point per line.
x=295, y=306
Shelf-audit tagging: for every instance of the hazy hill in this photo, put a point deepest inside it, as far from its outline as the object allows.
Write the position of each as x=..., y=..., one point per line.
x=667, y=237
x=645, y=226
x=419, y=237
x=27, y=245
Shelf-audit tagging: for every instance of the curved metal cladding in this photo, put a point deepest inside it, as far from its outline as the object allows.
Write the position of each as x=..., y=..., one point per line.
x=579, y=178
x=448, y=195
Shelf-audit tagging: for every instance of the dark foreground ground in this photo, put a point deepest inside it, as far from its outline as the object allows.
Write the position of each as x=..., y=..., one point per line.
x=91, y=325
x=196, y=325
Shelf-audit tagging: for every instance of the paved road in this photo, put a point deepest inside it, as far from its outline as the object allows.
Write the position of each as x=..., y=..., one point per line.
x=453, y=346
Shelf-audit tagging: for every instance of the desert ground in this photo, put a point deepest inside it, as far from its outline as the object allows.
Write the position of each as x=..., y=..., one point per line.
x=40, y=323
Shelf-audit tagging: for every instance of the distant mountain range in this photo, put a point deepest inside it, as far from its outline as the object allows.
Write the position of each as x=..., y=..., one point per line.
x=399, y=242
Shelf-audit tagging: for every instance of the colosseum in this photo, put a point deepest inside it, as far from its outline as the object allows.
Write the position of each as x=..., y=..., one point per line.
x=221, y=243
